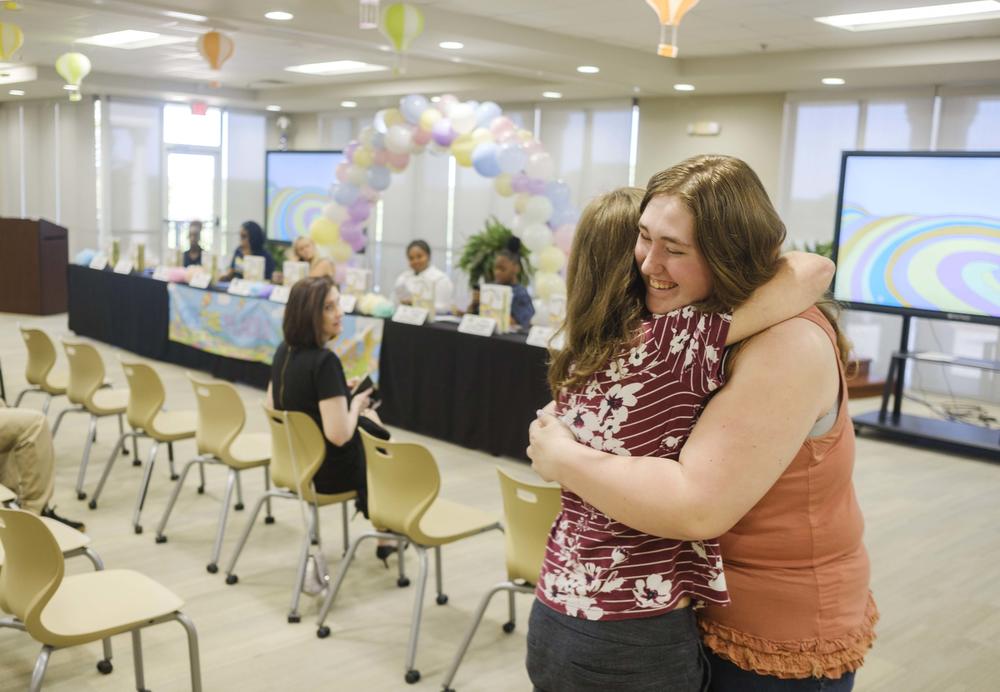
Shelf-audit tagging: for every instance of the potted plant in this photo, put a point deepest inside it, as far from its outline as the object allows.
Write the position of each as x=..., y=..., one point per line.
x=482, y=248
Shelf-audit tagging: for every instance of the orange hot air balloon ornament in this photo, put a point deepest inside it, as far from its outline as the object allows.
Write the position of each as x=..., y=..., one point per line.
x=216, y=48
x=670, y=13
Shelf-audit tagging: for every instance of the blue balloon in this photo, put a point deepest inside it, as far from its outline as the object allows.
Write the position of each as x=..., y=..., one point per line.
x=511, y=157
x=561, y=217
x=558, y=193
x=484, y=160
x=412, y=107
x=345, y=193
x=486, y=112
x=379, y=177
x=378, y=141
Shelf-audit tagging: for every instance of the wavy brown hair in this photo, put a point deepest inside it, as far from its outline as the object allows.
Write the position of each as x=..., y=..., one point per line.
x=605, y=292
x=737, y=230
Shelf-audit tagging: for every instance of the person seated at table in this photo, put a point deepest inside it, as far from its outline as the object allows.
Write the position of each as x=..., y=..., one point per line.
x=251, y=243
x=308, y=377
x=507, y=271
x=304, y=250
x=418, y=254
x=194, y=251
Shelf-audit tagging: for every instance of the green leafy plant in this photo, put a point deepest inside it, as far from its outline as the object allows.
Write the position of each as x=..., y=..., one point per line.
x=277, y=251
x=824, y=249
x=482, y=248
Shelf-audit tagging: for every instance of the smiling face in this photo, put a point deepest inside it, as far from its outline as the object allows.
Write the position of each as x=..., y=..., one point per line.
x=504, y=271
x=332, y=314
x=418, y=259
x=305, y=248
x=672, y=267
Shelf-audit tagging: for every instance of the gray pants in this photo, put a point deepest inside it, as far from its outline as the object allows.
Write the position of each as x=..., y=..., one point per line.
x=661, y=653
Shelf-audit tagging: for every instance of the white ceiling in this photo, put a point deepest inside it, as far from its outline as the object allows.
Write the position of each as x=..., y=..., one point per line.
x=514, y=49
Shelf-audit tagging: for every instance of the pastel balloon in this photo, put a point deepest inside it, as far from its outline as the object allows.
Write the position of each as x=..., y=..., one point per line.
x=398, y=139
x=537, y=209
x=356, y=175
x=446, y=103
x=462, y=148
x=399, y=160
x=502, y=185
x=511, y=157
x=536, y=237
x=370, y=194
x=359, y=211
x=381, y=157
x=558, y=193
x=563, y=237
x=351, y=231
x=350, y=149
x=379, y=178
x=335, y=212
x=501, y=125
x=519, y=182
x=345, y=194
x=363, y=157
x=520, y=202
x=524, y=135
x=429, y=117
x=366, y=136
x=340, y=251
x=540, y=166
x=341, y=171
x=378, y=141
x=463, y=118
x=550, y=259
x=379, y=123
x=442, y=132
x=567, y=216
x=548, y=284
x=536, y=186
x=324, y=231
x=484, y=160
x=412, y=107
x=486, y=113
x=421, y=137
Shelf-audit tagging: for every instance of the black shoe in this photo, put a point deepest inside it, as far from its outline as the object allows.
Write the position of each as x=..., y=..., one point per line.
x=383, y=552
x=50, y=513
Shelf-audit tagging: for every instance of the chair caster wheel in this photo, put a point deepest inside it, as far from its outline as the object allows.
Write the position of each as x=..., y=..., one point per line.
x=508, y=627
x=294, y=619
x=231, y=579
x=442, y=599
x=212, y=568
x=137, y=529
x=268, y=520
x=403, y=582
x=136, y=462
x=201, y=490
x=92, y=504
x=238, y=506
x=412, y=677
x=104, y=666
x=323, y=632
x=161, y=539
x=81, y=496
x=125, y=451
x=174, y=476
x=448, y=689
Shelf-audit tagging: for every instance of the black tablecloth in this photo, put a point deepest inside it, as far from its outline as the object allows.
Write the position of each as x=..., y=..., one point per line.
x=474, y=391
x=133, y=313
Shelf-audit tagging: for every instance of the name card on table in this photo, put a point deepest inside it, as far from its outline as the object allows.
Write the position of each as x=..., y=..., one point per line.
x=407, y=314
x=279, y=294
x=356, y=281
x=200, y=280
x=239, y=287
x=347, y=303
x=161, y=274
x=99, y=262
x=477, y=325
x=540, y=336
x=123, y=267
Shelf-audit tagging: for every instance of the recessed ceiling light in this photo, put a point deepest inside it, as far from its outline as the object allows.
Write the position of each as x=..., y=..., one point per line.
x=16, y=92
x=456, y=59
x=451, y=45
x=833, y=81
x=71, y=87
x=279, y=16
x=336, y=67
x=552, y=94
x=915, y=16
x=588, y=69
x=348, y=104
x=131, y=39
x=384, y=48
x=683, y=87
x=435, y=99
x=186, y=15
x=274, y=108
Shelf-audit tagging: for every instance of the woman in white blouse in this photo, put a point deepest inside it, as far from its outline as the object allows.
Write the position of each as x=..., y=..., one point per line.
x=418, y=254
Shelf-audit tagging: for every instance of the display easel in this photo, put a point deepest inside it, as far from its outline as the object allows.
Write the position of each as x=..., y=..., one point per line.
x=948, y=435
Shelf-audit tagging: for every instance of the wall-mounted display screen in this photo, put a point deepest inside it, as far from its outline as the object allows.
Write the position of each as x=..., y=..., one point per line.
x=298, y=186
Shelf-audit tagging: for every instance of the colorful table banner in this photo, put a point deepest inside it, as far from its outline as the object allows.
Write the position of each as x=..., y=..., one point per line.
x=223, y=324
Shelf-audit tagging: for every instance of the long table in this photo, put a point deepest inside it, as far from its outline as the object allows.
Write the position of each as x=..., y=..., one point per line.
x=477, y=392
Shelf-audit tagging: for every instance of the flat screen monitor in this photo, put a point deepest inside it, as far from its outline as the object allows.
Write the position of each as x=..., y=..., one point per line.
x=298, y=186
x=918, y=233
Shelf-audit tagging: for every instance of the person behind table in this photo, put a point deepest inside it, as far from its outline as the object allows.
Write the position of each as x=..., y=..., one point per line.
x=507, y=271
x=194, y=251
x=251, y=243
x=308, y=377
x=304, y=250
x=418, y=254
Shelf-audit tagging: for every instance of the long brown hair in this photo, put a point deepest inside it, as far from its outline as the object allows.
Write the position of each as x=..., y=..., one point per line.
x=606, y=294
x=737, y=230
x=303, y=322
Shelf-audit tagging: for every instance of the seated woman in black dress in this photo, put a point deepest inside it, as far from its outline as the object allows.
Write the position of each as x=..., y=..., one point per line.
x=308, y=377
x=251, y=243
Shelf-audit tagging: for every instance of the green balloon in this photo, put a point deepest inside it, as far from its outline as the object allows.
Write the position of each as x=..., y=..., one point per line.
x=401, y=24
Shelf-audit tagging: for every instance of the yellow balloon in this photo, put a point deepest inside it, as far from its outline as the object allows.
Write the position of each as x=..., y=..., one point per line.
x=340, y=251
x=501, y=184
x=429, y=118
x=548, y=284
x=524, y=135
x=393, y=117
x=462, y=148
x=324, y=231
x=481, y=134
x=520, y=202
x=550, y=260
x=363, y=157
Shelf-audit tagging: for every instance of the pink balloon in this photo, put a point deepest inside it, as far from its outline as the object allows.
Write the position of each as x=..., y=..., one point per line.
x=339, y=273
x=359, y=210
x=500, y=126
x=342, y=171
x=533, y=145
x=370, y=194
x=563, y=237
x=381, y=157
x=421, y=137
x=399, y=160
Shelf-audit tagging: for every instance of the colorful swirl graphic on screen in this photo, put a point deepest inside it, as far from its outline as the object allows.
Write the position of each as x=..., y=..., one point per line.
x=292, y=209
x=949, y=263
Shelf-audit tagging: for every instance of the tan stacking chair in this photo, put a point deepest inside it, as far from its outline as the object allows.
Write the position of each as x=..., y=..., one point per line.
x=148, y=419
x=403, y=505
x=529, y=510
x=298, y=449
x=40, y=371
x=222, y=442
x=87, y=394
x=72, y=543
x=60, y=612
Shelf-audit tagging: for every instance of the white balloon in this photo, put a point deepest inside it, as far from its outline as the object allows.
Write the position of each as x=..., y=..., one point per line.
x=357, y=175
x=379, y=122
x=540, y=166
x=463, y=118
x=536, y=237
x=399, y=139
x=538, y=209
x=335, y=212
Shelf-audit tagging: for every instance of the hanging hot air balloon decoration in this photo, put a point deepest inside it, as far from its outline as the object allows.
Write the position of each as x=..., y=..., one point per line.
x=11, y=5
x=402, y=24
x=11, y=39
x=73, y=67
x=670, y=13
x=216, y=48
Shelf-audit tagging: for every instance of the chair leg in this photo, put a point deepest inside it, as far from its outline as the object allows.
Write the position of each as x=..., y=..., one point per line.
x=104, y=665
x=136, y=461
x=442, y=597
x=314, y=524
x=293, y=611
x=213, y=565
x=269, y=519
x=239, y=493
x=144, y=488
x=161, y=527
x=82, y=475
x=41, y=664
x=55, y=428
x=471, y=632
x=511, y=623
x=119, y=445
x=17, y=401
x=322, y=630
x=230, y=577
x=201, y=477
x=170, y=461
x=121, y=433
x=45, y=406
x=193, y=656
x=402, y=580
x=345, y=526
x=412, y=674
x=140, y=678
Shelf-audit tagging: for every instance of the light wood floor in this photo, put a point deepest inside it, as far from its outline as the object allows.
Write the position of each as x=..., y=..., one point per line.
x=933, y=531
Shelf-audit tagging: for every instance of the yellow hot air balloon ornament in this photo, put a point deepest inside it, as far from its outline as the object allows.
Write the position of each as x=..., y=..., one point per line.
x=73, y=67
x=216, y=48
x=670, y=13
x=402, y=23
x=11, y=39
x=13, y=6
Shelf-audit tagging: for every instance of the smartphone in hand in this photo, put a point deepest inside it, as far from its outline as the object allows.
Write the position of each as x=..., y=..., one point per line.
x=364, y=385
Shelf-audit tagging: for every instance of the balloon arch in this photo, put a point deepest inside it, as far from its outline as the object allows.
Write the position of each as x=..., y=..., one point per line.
x=479, y=136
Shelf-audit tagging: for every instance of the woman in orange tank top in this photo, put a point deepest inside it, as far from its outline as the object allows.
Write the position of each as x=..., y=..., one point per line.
x=767, y=469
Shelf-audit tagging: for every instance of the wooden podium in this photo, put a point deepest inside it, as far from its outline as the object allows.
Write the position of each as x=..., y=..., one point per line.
x=33, y=258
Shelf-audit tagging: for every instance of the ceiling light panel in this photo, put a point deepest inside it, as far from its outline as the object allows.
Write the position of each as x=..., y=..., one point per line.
x=928, y=15
x=131, y=39
x=336, y=67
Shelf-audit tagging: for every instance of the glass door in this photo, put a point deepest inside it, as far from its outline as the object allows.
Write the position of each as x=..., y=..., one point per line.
x=192, y=195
